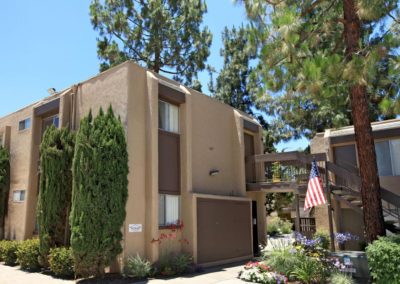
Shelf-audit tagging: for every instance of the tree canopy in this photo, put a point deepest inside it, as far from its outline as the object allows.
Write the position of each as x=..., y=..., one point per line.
x=164, y=36
x=304, y=70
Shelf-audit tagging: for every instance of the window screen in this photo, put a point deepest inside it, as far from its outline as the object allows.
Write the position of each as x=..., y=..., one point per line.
x=169, y=209
x=168, y=117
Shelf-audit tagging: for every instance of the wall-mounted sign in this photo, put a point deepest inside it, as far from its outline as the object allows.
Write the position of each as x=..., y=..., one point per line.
x=135, y=228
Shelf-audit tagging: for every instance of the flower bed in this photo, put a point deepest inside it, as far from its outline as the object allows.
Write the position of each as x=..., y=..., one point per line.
x=258, y=272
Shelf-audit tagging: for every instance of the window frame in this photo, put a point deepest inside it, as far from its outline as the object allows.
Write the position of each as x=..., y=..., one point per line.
x=164, y=224
x=178, y=118
x=19, y=192
x=24, y=121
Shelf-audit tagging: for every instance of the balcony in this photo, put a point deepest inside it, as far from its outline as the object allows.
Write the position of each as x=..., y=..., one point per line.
x=281, y=172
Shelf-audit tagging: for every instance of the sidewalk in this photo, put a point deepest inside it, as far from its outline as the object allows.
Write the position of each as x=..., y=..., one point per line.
x=219, y=275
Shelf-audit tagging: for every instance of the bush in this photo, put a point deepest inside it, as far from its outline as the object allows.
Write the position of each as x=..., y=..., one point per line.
x=384, y=259
x=8, y=252
x=61, y=262
x=100, y=190
x=284, y=260
x=340, y=278
x=182, y=262
x=56, y=153
x=278, y=226
x=310, y=270
x=28, y=254
x=174, y=264
x=324, y=239
x=137, y=267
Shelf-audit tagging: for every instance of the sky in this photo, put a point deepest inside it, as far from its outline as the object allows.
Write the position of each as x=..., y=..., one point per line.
x=51, y=44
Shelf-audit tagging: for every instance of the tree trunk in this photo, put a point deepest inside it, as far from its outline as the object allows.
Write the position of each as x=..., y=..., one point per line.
x=370, y=187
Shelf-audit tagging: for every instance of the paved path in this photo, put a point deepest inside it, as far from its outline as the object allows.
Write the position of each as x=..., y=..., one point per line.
x=219, y=275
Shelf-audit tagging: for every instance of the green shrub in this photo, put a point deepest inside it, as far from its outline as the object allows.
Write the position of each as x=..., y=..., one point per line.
x=276, y=226
x=99, y=193
x=56, y=153
x=28, y=254
x=340, y=278
x=310, y=270
x=61, y=262
x=8, y=252
x=384, y=259
x=324, y=239
x=182, y=262
x=137, y=267
x=174, y=264
x=284, y=260
x=2, y=244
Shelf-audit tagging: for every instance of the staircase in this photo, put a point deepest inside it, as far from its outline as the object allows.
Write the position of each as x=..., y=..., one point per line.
x=348, y=192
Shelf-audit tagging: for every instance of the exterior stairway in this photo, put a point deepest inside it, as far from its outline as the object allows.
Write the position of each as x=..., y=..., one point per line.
x=289, y=171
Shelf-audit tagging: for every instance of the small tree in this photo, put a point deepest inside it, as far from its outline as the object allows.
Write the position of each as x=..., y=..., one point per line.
x=100, y=191
x=56, y=153
x=4, y=186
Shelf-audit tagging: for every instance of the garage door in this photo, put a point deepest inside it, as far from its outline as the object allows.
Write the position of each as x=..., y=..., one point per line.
x=223, y=229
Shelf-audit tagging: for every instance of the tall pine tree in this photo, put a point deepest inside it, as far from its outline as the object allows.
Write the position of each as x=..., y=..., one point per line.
x=100, y=191
x=329, y=63
x=4, y=186
x=234, y=84
x=56, y=153
x=164, y=36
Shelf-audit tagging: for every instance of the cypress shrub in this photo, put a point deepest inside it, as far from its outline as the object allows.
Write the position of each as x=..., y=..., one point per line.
x=4, y=186
x=100, y=190
x=56, y=154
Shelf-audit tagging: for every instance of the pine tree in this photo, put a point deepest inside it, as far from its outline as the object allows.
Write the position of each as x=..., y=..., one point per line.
x=164, y=36
x=100, y=190
x=331, y=63
x=234, y=85
x=303, y=63
x=56, y=153
x=4, y=186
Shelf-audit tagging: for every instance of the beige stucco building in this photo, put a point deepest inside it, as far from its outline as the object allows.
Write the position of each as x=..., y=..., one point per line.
x=340, y=148
x=186, y=161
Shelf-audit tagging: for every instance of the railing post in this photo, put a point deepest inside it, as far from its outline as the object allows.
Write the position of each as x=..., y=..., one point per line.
x=297, y=220
x=328, y=196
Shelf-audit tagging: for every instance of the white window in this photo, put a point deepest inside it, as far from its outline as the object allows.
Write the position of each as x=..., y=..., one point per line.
x=19, y=195
x=388, y=157
x=168, y=117
x=24, y=124
x=168, y=209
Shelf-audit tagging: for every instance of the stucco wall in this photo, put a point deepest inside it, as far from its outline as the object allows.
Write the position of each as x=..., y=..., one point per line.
x=215, y=145
x=20, y=145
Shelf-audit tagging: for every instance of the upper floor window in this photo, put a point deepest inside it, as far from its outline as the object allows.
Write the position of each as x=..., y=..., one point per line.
x=24, y=124
x=388, y=157
x=19, y=195
x=168, y=117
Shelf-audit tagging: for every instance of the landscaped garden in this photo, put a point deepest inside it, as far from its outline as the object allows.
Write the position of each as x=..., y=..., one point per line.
x=308, y=261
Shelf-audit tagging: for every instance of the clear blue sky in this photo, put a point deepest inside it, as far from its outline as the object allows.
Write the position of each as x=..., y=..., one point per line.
x=51, y=43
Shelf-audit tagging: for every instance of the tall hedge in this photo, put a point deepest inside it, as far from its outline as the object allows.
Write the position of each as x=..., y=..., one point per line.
x=100, y=191
x=56, y=154
x=4, y=186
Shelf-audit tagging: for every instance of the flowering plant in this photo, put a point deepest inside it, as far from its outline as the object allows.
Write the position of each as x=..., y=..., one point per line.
x=341, y=238
x=259, y=272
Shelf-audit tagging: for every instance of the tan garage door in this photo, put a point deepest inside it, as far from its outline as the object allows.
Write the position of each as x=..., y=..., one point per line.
x=223, y=229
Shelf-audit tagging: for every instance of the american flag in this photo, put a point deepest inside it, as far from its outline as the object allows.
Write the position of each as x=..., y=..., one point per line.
x=315, y=193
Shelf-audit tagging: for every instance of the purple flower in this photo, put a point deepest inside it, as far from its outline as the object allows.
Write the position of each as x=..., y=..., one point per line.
x=341, y=238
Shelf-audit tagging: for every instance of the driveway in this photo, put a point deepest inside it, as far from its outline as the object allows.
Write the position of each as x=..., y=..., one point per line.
x=220, y=275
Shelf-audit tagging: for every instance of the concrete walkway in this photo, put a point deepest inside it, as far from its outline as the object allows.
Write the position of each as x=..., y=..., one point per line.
x=219, y=275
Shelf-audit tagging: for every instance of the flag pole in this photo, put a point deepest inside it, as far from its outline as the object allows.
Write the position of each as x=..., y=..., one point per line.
x=328, y=196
